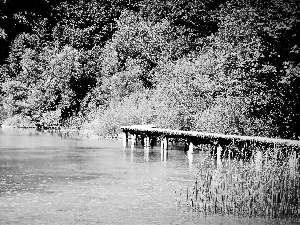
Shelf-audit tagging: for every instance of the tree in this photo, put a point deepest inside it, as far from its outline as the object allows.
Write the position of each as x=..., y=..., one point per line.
x=136, y=48
x=84, y=24
x=17, y=16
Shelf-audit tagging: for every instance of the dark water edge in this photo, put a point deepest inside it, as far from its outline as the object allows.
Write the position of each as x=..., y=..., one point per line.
x=47, y=178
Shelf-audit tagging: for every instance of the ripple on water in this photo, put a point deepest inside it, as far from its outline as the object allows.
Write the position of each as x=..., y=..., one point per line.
x=65, y=181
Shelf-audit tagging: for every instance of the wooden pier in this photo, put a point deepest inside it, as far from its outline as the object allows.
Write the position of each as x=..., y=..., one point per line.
x=150, y=133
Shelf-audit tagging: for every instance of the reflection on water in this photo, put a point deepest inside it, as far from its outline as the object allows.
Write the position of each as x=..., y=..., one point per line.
x=49, y=179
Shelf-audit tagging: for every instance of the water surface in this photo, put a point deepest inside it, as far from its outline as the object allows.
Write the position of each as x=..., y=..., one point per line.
x=50, y=179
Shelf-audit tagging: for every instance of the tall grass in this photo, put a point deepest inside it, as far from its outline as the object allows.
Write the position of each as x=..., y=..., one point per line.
x=240, y=188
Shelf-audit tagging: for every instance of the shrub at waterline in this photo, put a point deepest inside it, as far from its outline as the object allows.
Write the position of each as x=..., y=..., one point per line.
x=244, y=188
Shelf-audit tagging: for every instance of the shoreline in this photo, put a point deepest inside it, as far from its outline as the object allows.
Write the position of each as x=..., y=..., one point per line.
x=82, y=133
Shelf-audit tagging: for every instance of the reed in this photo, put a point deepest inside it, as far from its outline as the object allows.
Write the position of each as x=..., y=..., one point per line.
x=239, y=188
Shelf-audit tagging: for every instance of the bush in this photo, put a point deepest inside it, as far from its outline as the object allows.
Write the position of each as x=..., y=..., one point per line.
x=18, y=121
x=134, y=109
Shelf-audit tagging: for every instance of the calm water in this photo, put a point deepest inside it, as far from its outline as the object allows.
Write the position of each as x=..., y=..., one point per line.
x=49, y=179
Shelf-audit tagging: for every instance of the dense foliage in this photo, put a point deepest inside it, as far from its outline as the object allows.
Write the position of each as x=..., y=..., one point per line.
x=214, y=65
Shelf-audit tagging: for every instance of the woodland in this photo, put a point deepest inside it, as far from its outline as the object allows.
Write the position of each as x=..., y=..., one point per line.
x=225, y=66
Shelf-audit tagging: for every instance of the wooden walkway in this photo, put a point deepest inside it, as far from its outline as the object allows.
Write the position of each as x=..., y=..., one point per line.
x=148, y=133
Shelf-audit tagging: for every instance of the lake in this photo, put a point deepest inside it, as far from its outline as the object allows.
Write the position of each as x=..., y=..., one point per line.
x=48, y=178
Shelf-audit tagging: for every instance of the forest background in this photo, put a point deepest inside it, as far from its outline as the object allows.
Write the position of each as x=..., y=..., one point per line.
x=226, y=66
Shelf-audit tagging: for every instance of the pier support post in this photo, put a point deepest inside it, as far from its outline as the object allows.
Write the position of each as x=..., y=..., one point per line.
x=191, y=147
x=133, y=140
x=165, y=143
x=163, y=148
x=258, y=161
x=292, y=165
x=165, y=154
x=219, y=151
x=125, y=139
x=190, y=155
x=146, y=141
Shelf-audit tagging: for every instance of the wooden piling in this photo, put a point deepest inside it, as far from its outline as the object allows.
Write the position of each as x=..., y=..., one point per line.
x=165, y=139
x=258, y=161
x=133, y=139
x=190, y=155
x=191, y=147
x=292, y=165
x=125, y=139
x=161, y=148
x=165, y=154
x=146, y=141
x=219, y=151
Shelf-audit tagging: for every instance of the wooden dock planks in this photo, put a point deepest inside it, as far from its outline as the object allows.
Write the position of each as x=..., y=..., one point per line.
x=151, y=130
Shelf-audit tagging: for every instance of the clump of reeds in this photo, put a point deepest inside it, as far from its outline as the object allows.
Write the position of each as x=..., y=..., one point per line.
x=240, y=188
